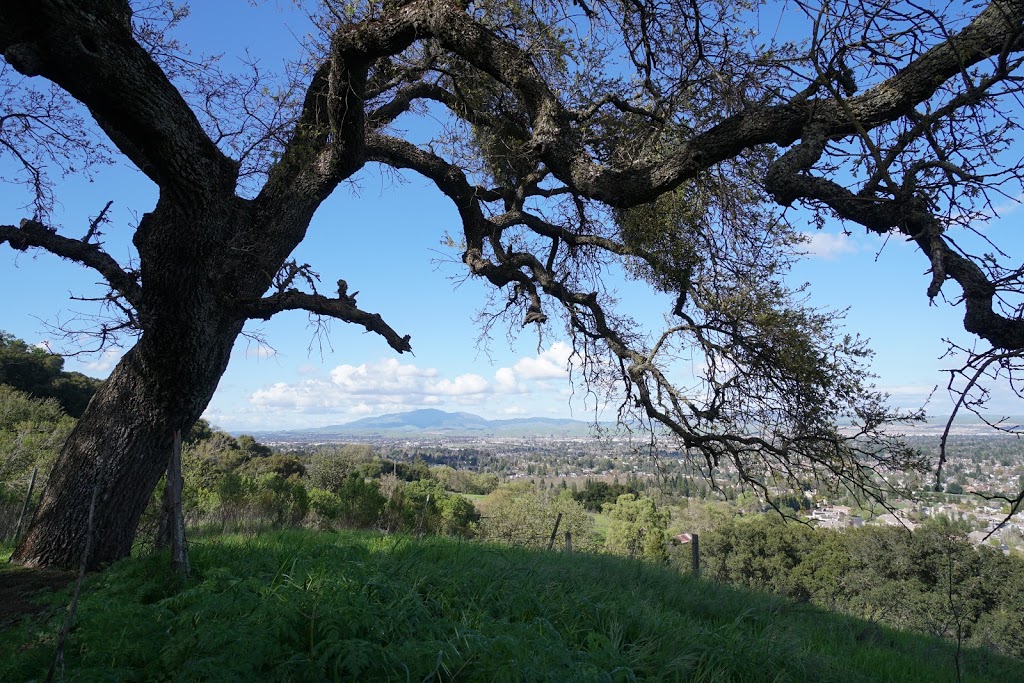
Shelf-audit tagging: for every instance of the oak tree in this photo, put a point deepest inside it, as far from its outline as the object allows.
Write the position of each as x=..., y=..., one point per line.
x=661, y=136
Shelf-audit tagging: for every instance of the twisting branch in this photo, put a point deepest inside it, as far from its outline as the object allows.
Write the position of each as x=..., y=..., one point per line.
x=789, y=180
x=34, y=234
x=995, y=30
x=762, y=413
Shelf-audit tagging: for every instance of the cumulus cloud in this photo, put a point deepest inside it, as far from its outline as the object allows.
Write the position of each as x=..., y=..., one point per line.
x=104, y=362
x=828, y=246
x=369, y=388
x=389, y=385
x=550, y=364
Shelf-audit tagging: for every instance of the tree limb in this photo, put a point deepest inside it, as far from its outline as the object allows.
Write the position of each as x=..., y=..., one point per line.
x=32, y=233
x=342, y=308
x=993, y=31
x=88, y=49
x=788, y=180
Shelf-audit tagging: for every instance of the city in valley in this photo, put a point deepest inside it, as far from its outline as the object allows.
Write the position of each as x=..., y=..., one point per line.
x=983, y=471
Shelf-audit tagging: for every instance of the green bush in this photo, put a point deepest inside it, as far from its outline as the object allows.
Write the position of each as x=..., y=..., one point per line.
x=362, y=503
x=324, y=508
x=282, y=501
x=32, y=431
x=517, y=514
x=638, y=528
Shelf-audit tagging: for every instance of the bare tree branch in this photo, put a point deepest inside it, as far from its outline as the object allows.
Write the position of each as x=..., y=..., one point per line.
x=34, y=234
x=89, y=50
x=342, y=308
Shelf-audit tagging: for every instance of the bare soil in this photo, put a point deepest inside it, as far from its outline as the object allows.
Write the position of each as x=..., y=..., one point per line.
x=20, y=589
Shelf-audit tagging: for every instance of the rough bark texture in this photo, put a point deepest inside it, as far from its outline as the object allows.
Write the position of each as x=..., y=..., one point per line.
x=124, y=440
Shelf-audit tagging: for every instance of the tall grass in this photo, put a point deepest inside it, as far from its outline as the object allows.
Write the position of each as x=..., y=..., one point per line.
x=303, y=606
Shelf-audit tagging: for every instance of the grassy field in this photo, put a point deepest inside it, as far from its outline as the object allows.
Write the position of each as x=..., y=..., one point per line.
x=303, y=606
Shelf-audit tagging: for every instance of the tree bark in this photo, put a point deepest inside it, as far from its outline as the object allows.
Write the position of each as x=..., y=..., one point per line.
x=122, y=441
x=163, y=384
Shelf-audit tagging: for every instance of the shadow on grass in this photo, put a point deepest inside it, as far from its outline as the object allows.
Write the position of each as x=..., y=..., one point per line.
x=354, y=606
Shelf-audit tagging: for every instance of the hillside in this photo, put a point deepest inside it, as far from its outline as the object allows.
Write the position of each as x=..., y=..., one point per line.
x=359, y=606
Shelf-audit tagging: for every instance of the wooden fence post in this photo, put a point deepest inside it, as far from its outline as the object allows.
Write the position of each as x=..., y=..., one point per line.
x=24, y=507
x=551, y=541
x=568, y=541
x=695, y=547
x=179, y=552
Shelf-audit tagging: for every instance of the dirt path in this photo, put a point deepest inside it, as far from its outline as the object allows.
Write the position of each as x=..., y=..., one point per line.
x=19, y=587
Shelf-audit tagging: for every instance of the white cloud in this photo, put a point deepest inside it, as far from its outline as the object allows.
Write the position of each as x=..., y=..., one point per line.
x=506, y=382
x=513, y=411
x=462, y=385
x=550, y=364
x=909, y=389
x=389, y=385
x=361, y=409
x=827, y=245
x=370, y=388
x=104, y=362
x=387, y=377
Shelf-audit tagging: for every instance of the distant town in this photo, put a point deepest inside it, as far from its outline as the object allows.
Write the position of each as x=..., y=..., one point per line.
x=983, y=472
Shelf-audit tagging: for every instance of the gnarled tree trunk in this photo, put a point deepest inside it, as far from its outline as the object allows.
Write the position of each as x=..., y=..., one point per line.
x=123, y=441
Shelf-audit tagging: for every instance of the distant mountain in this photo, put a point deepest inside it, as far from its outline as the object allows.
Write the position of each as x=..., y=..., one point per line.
x=430, y=422
x=428, y=419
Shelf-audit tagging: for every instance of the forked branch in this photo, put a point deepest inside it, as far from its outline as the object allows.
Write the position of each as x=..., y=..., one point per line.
x=341, y=308
x=33, y=234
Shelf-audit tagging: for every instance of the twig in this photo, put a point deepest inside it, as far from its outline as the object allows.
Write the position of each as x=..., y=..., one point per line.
x=96, y=222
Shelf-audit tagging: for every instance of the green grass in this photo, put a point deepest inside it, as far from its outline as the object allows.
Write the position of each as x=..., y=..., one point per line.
x=302, y=606
x=602, y=523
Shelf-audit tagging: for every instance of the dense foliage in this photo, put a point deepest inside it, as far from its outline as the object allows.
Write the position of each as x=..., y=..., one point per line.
x=638, y=528
x=931, y=581
x=31, y=432
x=520, y=514
x=41, y=374
x=596, y=493
x=238, y=484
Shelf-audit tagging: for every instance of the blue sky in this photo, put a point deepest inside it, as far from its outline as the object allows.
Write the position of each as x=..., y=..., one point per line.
x=385, y=238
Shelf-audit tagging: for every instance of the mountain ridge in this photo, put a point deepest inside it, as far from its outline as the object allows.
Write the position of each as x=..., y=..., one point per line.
x=434, y=422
